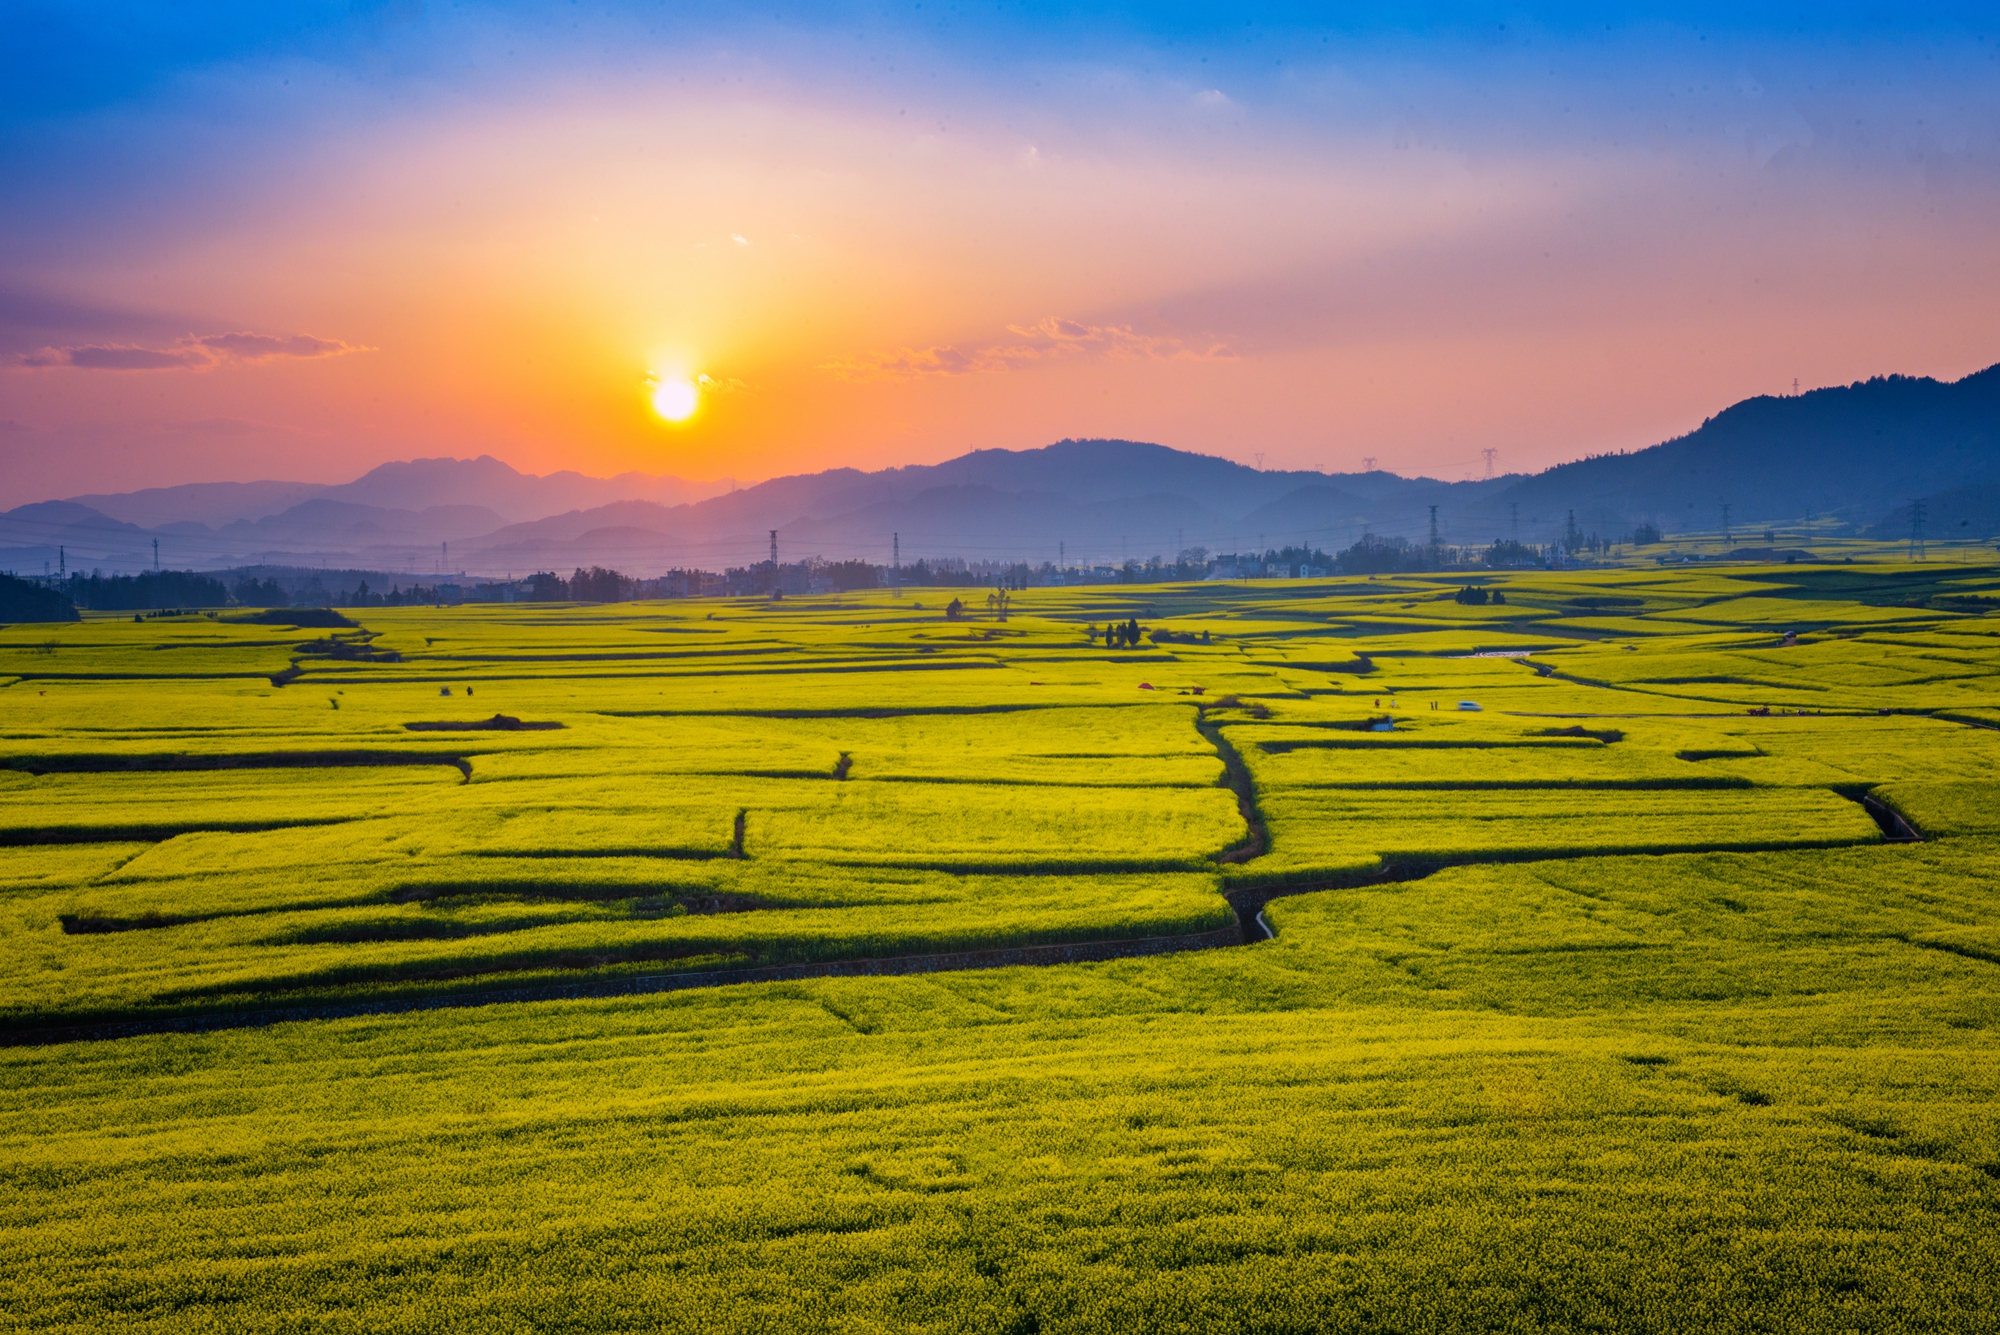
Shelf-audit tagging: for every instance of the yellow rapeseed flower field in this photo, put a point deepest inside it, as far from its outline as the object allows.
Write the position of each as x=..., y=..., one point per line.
x=1374, y=963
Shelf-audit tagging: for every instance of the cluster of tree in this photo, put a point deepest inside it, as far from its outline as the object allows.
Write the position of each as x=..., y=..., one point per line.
x=1645, y=535
x=847, y=576
x=1505, y=555
x=1118, y=635
x=417, y=595
x=1474, y=596
x=25, y=600
x=255, y=592
x=546, y=586
x=1377, y=555
x=147, y=592
x=1297, y=560
x=1189, y=565
x=940, y=574
x=598, y=585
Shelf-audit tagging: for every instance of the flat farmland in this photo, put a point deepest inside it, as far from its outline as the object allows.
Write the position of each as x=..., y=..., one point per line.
x=826, y=964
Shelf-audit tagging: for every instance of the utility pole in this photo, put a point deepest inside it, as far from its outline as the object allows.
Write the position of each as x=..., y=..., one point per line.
x=1917, y=516
x=1062, y=556
x=444, y=558
x=1490, y=454
x=62, y=563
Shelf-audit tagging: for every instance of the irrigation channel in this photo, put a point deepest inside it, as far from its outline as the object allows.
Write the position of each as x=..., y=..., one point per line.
x=1248, y=903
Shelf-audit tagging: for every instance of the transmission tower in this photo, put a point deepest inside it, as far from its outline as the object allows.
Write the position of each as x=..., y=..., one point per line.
x=1489, y=454
x=774, y=549
x=1434, y=533
x=1514, y=520
x=1367, y=463
x=1260, y=460
x=1917, y=515
x=156, y=556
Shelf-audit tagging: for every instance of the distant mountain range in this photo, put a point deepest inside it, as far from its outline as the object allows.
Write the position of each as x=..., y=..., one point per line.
x=1858, y=454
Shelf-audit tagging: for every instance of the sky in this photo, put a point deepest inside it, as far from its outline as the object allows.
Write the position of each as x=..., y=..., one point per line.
x=245, y=241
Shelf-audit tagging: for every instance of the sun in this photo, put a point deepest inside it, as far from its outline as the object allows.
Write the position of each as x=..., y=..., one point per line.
x=676, y=399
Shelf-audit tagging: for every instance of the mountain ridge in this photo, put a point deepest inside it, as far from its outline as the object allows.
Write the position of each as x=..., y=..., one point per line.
x=1855, y=452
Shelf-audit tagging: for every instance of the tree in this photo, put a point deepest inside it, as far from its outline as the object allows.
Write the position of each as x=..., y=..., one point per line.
x=261, y=593
x=149, y=591
x=21, y=600
x=954, y=610
x=598, y=585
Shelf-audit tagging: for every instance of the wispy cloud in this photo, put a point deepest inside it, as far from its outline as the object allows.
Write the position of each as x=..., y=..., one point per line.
x=1049, y=340
x=196, y=352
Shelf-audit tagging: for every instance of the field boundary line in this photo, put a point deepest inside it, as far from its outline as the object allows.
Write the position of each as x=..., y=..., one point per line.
x=1078, y=952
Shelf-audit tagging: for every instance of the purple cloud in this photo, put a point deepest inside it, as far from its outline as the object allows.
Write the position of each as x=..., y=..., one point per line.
x=196, y=352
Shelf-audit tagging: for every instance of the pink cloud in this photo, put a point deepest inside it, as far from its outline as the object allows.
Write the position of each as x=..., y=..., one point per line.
x=196, y=352
x=1050, y=339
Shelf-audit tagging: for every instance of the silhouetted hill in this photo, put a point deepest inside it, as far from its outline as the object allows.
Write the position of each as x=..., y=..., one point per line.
x=1960, y=512
x=421, y=483
x=210, y=504
x=1855, y=451
x=414, y=484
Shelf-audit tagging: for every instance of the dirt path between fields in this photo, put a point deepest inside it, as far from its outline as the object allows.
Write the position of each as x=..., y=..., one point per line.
x=84, y=763
x=1236, y=777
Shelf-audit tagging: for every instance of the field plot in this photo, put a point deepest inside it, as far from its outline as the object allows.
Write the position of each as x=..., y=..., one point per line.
x=1592, y=998
x=1508, y=824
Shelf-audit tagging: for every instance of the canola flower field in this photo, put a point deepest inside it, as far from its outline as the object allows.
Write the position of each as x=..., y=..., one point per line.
x=1603, y=959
